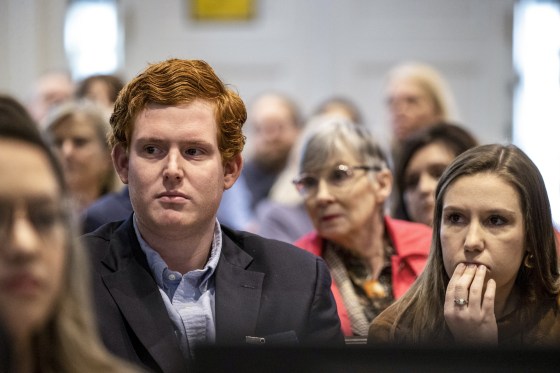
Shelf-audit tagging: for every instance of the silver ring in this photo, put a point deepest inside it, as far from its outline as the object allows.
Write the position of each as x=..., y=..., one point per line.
x=461, y=302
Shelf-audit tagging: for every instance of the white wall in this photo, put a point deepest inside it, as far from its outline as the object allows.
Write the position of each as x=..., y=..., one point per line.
x=310, y=49
x=31, y=33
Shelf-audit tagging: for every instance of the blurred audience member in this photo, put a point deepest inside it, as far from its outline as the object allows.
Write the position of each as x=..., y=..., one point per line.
x=417, y=96
x=373, y=259
x=78, y=131
x=422, y=159
x=275, y=123
x=340, y=106
x=235, y=208
x=102, y=89
x=44, y=293
x=110, y=207
x=51, y=89
x=492, y=275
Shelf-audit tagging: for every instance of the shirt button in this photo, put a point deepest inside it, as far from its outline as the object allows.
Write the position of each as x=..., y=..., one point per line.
x=172, y=277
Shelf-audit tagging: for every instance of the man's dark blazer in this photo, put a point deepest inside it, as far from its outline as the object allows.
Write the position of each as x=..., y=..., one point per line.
x=264, y=288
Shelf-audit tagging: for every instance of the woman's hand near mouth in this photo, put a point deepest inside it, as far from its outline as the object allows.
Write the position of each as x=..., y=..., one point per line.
x=469, y=307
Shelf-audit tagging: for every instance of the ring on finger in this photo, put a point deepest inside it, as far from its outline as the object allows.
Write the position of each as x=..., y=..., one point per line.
x=461, y=301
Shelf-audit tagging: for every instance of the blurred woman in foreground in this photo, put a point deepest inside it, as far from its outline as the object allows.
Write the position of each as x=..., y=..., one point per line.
x=44, y=289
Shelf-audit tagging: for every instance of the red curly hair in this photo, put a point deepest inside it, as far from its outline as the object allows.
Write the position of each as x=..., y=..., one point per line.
x=175, y=82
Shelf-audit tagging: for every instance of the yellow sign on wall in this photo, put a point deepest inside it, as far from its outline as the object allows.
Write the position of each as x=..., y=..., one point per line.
x=223, y=9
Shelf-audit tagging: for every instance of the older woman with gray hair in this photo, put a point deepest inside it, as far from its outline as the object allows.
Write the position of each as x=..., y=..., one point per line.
x=345, y=181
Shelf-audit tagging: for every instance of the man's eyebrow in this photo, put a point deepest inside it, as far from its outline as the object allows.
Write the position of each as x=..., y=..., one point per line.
x=150, y=139
x=195, y=142
x=158, y=140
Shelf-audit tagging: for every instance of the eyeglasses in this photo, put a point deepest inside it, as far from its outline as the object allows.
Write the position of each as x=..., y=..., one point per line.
x=44, y=216
x=337, y=177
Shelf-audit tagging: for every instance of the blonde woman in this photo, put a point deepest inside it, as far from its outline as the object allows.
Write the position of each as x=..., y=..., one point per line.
x=78, y=132
x=417, y=96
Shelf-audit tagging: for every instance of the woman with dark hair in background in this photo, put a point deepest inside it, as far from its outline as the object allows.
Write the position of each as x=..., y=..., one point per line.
x=423, y=158
x=101, y=89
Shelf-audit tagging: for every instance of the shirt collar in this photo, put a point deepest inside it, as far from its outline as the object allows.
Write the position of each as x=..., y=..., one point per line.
x=158, y=266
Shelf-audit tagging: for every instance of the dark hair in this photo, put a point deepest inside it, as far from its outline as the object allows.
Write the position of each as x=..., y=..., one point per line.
x=512, y=165
x=114, y=83
x=453, y=137
x=10, y=108
x=174, y=82
x=342, y=103
x=17, y=124
x=420, y=310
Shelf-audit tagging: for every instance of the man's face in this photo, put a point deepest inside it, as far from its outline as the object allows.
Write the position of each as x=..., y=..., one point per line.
x=51, y=91
x=174, y=169
x=274, y=131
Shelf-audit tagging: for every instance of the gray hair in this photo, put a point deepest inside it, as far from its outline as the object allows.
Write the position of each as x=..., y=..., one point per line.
x=93, y=114
x=331, y=136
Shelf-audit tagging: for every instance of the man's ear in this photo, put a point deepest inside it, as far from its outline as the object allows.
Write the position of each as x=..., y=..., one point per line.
x=384, y=184
x=120, y=161
x=232, y=170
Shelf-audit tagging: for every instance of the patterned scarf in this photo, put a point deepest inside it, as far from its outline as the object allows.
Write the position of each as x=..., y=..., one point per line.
x=351, y=277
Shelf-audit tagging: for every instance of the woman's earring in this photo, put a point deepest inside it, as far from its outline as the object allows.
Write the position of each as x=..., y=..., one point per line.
x=528, y=261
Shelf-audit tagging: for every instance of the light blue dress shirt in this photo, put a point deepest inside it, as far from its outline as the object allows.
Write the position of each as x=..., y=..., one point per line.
x=190, y=297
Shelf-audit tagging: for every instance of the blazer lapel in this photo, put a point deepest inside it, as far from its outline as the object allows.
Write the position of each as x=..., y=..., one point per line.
x=138, y=298
x=238, y=294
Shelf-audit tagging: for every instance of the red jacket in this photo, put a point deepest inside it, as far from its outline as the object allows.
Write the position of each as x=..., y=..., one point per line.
x=412, y=245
